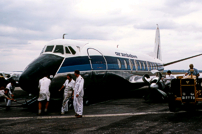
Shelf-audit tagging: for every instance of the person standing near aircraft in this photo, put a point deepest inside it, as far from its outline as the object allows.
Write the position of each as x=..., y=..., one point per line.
x=169, y=75
x=44, y=93
x=10, y=86
x=168, y=79
x=196, y=72
x=68, y=85
x=78, y=94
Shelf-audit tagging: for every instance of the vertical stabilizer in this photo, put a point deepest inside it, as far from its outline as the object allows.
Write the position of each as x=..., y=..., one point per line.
x=157, y=49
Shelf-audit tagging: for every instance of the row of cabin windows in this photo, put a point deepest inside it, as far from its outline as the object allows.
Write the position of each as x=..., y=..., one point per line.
x=60, y=49
x=138, y=64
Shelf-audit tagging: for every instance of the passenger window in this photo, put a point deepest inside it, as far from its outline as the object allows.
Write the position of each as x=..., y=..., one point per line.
x=131, y=64
x=135, y=64
x=140, y=65
x=72, y=50
x=119, y=63
x=67, y=50
x=144, y=65
x=151, y=65
x=49, y=49
x=147, y=66
x=59, y=49
x=125, y=63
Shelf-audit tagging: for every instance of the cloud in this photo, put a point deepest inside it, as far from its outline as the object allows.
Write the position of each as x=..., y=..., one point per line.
x=150, y=24
x=26, y=26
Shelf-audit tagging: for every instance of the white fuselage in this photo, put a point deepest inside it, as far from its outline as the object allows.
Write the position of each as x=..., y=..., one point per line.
x=91, y=57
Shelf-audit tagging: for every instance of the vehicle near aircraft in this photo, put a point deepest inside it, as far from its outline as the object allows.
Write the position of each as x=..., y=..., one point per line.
x=106, y=70
x=184, y=91
x=159, y=86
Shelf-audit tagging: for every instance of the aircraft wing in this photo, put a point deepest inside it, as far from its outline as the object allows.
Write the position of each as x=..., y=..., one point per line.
x=166, y=64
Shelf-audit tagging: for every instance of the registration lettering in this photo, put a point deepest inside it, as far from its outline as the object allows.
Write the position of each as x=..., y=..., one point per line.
x=188, y=97
x=125, y=55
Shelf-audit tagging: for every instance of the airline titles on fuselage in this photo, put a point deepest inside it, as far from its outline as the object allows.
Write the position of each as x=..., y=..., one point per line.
x=125, y=55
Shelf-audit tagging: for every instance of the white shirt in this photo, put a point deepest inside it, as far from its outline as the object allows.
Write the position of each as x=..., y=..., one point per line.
x=10, y=88
x=44, y=84
x=2, y=94
x=78, y=89
x=69, y=85
x=170, y=77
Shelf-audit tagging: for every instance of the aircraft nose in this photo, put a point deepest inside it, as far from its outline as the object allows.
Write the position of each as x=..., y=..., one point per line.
x=44, y=64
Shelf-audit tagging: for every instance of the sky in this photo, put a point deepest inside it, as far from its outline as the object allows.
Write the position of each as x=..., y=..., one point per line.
x=27, y=25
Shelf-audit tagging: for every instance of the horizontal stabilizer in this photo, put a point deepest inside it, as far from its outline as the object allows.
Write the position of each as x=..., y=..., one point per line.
x=166, y=64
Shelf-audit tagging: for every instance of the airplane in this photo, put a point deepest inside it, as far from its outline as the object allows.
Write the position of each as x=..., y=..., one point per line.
x=106, y=70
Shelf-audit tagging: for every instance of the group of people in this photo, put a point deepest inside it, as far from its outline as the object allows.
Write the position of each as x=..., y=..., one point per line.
x=194, y=72
x=71, y=88
x=190, y=71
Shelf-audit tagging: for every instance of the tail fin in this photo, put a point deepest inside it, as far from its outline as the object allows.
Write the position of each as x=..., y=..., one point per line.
x=157, y=49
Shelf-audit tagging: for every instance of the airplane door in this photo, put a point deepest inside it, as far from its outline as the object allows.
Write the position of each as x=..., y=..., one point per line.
x=97, y=59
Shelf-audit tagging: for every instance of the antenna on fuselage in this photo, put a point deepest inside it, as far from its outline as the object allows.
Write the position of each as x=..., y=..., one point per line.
x=64, y=36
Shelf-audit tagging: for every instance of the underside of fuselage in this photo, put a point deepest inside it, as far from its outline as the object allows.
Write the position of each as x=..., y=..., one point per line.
x=99, y=84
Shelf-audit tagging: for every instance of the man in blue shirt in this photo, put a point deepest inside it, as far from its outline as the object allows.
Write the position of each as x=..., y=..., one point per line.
x=196, y=72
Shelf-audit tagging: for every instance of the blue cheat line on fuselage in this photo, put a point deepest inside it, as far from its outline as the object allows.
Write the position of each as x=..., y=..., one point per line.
x=82, y=63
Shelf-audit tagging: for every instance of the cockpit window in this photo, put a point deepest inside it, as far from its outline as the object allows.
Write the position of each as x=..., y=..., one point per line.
x=49, y=49
x=67, y=50
x=72, y=50
x=59, y=49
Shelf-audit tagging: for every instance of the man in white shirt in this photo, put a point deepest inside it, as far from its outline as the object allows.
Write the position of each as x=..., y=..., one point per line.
x=4, y=91
x=78, y=94
x=44, y=93
x=10, y=86
x=68, y=85
x=168, y=79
